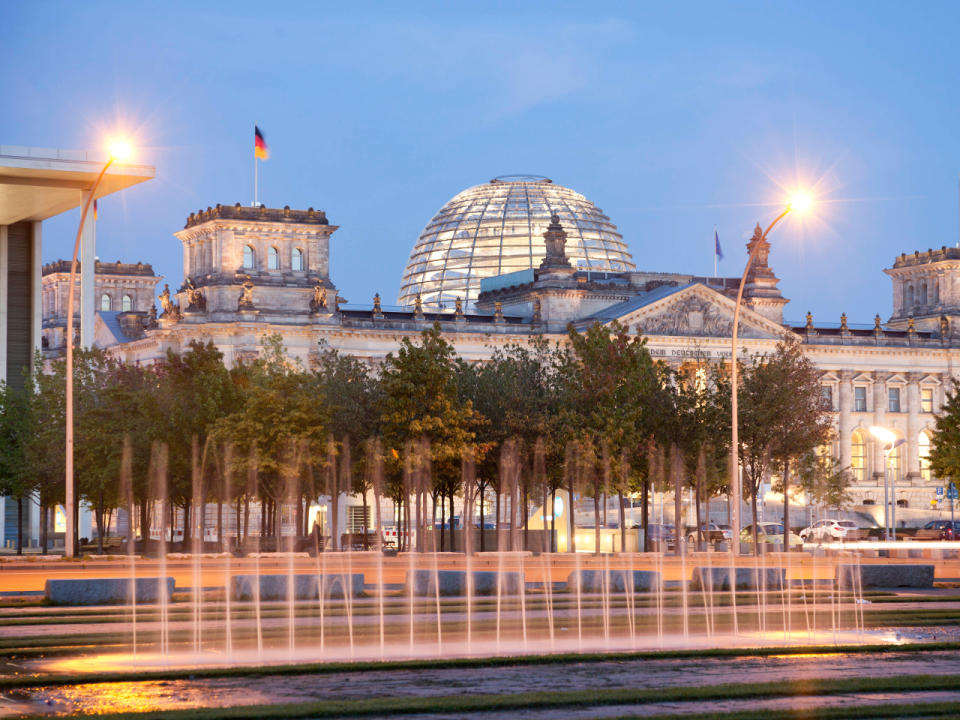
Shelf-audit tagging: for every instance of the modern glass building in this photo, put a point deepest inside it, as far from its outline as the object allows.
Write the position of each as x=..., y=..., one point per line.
x=497, y=228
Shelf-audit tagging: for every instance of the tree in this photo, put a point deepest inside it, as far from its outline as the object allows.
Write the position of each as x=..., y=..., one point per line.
x=823, y=480
x=420, y=400
x=782, y=415
x=614, y=395
x=945, y=440
x=16, y=426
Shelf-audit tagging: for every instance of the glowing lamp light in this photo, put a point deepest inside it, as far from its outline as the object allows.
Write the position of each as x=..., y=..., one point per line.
x=120, y=150
x=887, y=437
x=558, y=507
x=800, y=202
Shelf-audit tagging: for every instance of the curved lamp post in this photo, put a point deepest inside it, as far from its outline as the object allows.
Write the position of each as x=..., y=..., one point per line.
x=118, y=151
x=890, y=443
x=799, y=203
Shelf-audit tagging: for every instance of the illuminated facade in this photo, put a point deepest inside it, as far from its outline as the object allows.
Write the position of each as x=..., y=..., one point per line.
x=497, y=228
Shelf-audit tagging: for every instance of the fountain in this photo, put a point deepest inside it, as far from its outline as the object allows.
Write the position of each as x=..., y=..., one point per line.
x=344, y=605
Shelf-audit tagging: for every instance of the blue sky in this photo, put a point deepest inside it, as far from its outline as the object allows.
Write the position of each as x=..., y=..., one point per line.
x=672, y=117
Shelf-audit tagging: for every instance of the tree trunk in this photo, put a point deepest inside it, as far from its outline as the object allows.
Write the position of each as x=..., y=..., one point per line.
x=497, y=517
x=676, y=467
x=100, y=518
x=553, y=520
x=482, y=488
x=571, y=529
x=645, y=512
x=365, y=524
x=596, y=521
x=623, y=523
x=697, y=490
x=443, y=520
x=43, y=528
x=453, y=544
x=753, y=510
x=19, y=526
x=220, y=523
x=786, y=505
x=526, y=516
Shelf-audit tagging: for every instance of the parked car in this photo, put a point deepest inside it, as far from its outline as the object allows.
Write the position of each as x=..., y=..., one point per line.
x=660, y=533
x=829, y=531
x=946, y=529
x=769, y=533
x=711, y=533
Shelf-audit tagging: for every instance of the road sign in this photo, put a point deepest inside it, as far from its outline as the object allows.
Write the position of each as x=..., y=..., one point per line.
x=940, y=491
x=952, y=492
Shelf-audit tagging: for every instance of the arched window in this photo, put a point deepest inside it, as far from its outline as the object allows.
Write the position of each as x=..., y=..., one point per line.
x=105, y=303
x=936, y=291
x=858, y=456
x=923, y=452
x=923, y=293
x=273, y=259
x=296, y=259
x=909, y=295
x=127, y=303
x=249, y=257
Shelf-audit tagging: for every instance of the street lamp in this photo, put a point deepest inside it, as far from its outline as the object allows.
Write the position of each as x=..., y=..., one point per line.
x=800, y=203
x=890, y=442
x=118, y=150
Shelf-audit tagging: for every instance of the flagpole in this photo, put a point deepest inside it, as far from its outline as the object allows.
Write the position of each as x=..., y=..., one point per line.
x=256, y=170
x=714, y=252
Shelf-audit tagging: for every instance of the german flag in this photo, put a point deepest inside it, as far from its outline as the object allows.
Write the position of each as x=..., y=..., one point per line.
x=259, y=145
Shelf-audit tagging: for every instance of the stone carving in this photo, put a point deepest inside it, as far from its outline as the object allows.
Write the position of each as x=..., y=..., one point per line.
x=245, y=301
x=152, y=317
x=944, y=326
x=843, y=323
x=318, y=303
x=377, y=310
x=693, y=315
x=170, y=309
x=556, y=239
x=537, y=311
x=498, y=311
x=196, y=302
x=458, y=307
x=418, y=306
x=809, y=320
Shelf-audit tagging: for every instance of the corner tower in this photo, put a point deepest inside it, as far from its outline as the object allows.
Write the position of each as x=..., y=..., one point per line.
x=254, y=259
x=926, y=286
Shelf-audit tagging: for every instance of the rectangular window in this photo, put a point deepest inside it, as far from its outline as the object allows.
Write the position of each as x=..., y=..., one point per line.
x=827, y=391
x=926, y=400
x=893, y=396
x=860, y=399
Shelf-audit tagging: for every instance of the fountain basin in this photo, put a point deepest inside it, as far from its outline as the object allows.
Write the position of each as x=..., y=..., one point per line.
x=305, y=586
x=886, y=576
x=616, y=580
x=746, y=578
x=106, y=591
x=453, y=583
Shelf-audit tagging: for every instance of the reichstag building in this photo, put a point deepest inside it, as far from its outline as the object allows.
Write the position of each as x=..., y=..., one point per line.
x=522, y=256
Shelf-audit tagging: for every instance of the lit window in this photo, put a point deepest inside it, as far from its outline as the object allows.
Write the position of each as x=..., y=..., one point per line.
x=923, y=451
x=105, y=303
x=127, y=303
x=296, y=259
x=926, y=400
x=858, y=456
x=273, y=259
x=894, y=460
x=893, y=400
x=249, y=257
x=827, y=393
x=860, y=399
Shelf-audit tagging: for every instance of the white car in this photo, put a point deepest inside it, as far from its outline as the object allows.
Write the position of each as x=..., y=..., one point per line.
x=829, y=531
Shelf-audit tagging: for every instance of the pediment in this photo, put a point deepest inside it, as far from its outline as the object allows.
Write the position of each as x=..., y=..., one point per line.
x=698, y=311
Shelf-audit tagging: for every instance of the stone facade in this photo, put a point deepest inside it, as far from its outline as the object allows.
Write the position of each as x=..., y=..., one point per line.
x=125, y=289
x=894, y=375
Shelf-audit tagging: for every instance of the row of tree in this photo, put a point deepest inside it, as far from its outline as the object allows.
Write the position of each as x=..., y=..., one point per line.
x=596, y=415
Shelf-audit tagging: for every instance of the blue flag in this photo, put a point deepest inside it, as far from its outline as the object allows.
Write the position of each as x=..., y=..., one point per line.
x=716, y=241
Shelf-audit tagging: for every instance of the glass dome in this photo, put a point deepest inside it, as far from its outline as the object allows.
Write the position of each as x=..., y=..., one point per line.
x=497, y=228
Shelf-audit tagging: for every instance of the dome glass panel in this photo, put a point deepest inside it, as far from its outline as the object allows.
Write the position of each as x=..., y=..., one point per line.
x=498, y=227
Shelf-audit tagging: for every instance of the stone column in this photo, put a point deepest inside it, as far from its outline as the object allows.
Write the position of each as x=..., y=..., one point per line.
x=846, y=417
x=911, y=468
x=3, y=302
x=879, y=418
x=36, y=289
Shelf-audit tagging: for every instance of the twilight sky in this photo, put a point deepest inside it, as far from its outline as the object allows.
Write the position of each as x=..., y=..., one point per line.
x=672, y=117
